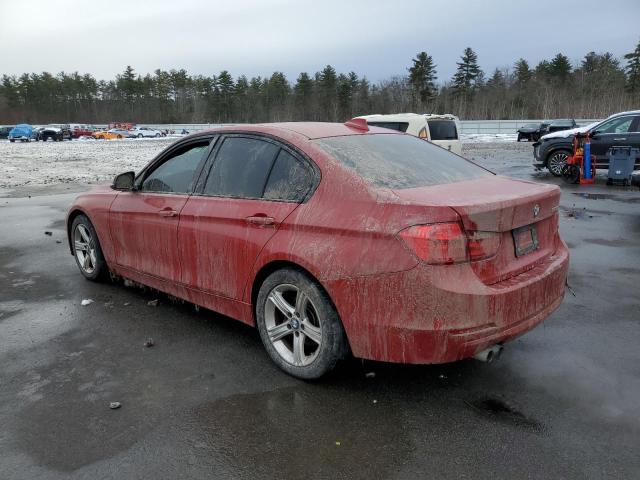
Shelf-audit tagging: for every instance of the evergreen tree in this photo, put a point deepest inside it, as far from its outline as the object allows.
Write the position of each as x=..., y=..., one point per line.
x=303, y=91
x=632, y=70
x=422, y=76
x=559, y=67
x=522, y=72
x=468, y=76
x=327, y=91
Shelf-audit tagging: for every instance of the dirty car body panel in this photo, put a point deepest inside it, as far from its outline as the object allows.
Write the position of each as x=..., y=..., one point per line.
x=359, y=228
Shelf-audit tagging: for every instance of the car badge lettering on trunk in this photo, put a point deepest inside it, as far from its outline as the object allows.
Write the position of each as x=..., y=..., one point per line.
x=536, y=210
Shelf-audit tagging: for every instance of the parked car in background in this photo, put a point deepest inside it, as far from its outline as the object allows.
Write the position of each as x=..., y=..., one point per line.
x=82, y=131
x=333, y=239
x=559, y=125
x=23, y=133
x=4, y=131
x=442, y=130
x=531, y=132
x=120, y=125
x=55, y=132
x=620, y=129
x=146, y=132
x=114, y=133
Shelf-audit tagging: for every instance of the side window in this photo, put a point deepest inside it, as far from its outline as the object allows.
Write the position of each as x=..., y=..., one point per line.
x=289, y=180
x=617, y=125
x=241, y=168
x=176, y=175
x=635, y=125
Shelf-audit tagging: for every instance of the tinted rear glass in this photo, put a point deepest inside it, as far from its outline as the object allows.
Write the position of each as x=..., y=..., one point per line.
x=399, y=126
x=399, y=161
x=443, y=130
x=289, y=179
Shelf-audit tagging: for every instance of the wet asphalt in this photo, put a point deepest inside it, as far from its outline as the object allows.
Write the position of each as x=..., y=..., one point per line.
x=204, y=401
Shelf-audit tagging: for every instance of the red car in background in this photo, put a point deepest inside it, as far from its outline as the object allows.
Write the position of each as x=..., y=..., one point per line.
x=82, y=131
x=333, y=238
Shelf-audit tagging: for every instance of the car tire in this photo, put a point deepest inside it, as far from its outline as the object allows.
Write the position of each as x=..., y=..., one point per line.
x=139, y=135
x=299, y=326
x=556, y=161
x=12, y=140
x=87, y=250
x=519, y=137
x=157, y=135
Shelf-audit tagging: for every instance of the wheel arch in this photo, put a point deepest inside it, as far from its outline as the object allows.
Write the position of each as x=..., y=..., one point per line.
x=70, y=218
x=275, y=265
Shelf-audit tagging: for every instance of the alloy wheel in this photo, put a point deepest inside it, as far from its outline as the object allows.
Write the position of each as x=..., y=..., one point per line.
x=556, y=162
x=85, y=249
x=293, y=325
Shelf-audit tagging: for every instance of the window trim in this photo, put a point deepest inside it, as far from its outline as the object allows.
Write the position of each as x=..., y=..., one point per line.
x=167, y=155
x=278, y=142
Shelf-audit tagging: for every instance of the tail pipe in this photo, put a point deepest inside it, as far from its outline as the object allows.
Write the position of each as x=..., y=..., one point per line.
x=489, y=354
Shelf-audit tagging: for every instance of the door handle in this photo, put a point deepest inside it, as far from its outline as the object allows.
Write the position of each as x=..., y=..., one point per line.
x=167, y=212
x=620, y=139
x=260, y=220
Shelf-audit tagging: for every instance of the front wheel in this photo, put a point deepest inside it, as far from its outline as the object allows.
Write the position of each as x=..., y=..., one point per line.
x=298, y=324
x=556, y=162
x=87, y=250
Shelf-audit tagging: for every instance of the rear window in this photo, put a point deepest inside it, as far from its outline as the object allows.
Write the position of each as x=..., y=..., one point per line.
x=443, y=130
x=399, y=126
x=399, y=161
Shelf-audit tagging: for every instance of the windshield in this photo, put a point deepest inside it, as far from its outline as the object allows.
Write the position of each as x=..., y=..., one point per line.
x=399, y=161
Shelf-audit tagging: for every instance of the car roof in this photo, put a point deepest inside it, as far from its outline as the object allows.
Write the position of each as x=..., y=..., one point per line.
x=629, y=112
x=309, y=130
x=408, y=117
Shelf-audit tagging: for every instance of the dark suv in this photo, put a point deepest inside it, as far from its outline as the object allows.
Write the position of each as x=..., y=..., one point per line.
x=621, y=129
x=56, y=132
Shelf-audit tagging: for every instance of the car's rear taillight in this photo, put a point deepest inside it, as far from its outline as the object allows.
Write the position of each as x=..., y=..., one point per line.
x=447, y=243
x=423, y=133
x=482, y=244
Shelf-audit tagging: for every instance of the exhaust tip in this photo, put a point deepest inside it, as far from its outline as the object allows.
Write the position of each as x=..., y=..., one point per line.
x=489, y=354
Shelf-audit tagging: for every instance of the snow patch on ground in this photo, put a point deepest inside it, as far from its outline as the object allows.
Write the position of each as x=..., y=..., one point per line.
x=87, y=162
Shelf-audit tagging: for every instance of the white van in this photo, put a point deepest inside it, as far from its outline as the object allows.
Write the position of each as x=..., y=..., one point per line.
x=443, y=130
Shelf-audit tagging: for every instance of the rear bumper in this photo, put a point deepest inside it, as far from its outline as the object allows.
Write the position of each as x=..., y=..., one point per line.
x=443, y=314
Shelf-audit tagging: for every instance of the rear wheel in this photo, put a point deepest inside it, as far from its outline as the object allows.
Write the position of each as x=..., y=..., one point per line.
x=519, y=137
x=298, y=324
x=556, y=161
x=139, y=135
x=87, y=250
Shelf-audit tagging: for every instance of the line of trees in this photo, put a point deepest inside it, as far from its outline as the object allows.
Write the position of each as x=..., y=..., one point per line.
x=598, y=85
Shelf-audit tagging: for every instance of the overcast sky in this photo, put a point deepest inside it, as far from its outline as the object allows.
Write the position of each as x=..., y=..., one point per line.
x=373, y=38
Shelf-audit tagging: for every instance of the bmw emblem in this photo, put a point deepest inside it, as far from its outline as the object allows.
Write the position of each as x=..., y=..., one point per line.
x=536, y=210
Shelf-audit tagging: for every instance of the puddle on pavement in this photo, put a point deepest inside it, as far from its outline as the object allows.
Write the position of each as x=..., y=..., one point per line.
x=320, y=434
x=607, y=196
x=498, y=409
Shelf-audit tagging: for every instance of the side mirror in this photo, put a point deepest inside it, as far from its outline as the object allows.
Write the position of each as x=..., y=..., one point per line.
x=124, y=181
x=593, y=134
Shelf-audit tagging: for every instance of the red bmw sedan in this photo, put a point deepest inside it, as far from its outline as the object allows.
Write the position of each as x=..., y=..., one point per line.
x=333, y=239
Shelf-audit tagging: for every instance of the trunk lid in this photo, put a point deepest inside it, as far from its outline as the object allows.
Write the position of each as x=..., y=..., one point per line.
x=517, y=211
